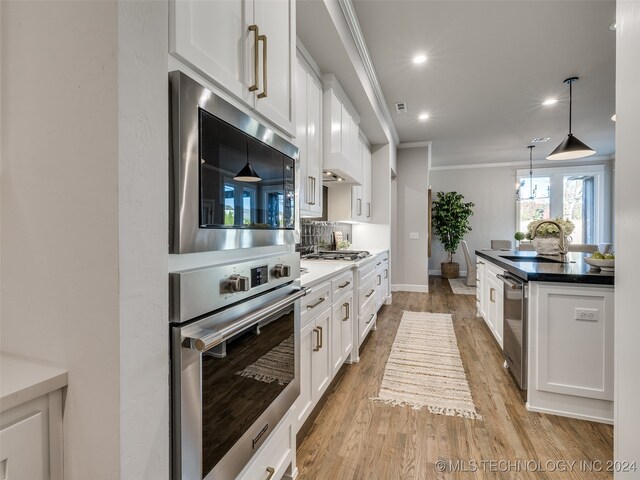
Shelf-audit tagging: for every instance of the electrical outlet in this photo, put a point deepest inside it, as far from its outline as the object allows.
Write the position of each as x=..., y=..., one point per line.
x=414, y=235
x=588, y=314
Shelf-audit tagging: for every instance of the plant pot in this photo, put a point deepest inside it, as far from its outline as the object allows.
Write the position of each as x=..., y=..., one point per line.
x=547, y=245
x=450, y=269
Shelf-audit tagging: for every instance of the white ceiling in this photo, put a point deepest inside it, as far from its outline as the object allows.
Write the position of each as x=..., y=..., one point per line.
x=490, y=66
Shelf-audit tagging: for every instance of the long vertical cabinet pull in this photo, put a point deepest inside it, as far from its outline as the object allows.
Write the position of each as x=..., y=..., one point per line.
x=346, y=308
x=320, y=328
x=318, y=345
x=491, y=292
x=359, y=206
x=256, y=63
x=312, y=188
x=368, y=209
x=263, y=38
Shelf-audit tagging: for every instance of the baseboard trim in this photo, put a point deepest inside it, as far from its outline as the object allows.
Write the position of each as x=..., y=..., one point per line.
x=402, y=287
x=438, y=273
x=591, y=418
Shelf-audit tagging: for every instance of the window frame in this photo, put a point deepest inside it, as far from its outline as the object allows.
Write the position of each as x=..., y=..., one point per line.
x=556, y=178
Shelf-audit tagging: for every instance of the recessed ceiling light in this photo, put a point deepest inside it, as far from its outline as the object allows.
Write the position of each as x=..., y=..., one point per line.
x=421, y=58
x=328, y=173
x=423, y=116
x=550, y=101
x=613, y=26
x=613, y=117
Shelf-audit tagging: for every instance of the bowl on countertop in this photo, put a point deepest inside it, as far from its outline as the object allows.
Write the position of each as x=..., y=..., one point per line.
x=604, y=264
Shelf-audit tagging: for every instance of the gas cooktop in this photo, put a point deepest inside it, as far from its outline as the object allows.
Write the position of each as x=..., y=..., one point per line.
x=344, y=255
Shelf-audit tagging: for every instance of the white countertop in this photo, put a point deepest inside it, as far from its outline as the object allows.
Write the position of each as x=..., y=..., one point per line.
x=23, y=379
x=319, y=270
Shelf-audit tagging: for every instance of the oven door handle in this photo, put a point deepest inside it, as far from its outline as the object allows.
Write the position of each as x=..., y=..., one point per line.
x=207, y=339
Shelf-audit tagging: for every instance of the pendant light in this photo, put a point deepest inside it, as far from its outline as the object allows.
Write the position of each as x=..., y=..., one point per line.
x=571, y=147
x=531, y=191
x=247, y=174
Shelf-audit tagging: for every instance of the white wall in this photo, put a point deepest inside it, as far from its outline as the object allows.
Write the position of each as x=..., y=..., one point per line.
x=492, y=190
x=60, y=213
x=143, y=224
x=627, y=172
x=84, y=221
x=409, y=271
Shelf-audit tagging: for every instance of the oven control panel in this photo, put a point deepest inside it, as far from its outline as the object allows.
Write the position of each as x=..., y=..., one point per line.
x=202, y=290
x=259, y=276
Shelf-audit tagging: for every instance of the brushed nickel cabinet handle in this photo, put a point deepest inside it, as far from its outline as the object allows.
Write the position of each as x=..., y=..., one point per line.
x=256, y=63
x=263, y=38
x=370, y=293
x=386, y=273
x=317, y=347
x=491, y=292
x=271, y=471
x=359, y=206
x=371, y=318
x=314, y=305
x=379, y=279
x=313, y=182
x=346, y=309
x=345, y=284
x=368, y=209
x=321, y=342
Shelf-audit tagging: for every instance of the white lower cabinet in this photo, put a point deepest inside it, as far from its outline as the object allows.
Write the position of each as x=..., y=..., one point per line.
x=489, y=298
x=31, y=439
x=315, y=355
x=276, y=459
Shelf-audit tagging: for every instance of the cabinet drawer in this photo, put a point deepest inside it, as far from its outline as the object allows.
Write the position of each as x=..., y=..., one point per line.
x=315, y=302
x=365, y=271
x=367, y=318
x=341, y=285
x=276, y=455
x=367, y=292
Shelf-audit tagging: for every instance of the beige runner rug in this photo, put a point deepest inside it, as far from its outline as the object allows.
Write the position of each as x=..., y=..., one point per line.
x=424, y=368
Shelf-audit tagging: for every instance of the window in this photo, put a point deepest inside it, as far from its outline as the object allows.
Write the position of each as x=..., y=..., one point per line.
x=573, y=193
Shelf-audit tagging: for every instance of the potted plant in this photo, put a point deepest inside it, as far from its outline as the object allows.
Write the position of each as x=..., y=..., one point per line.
x=450, y=222
x=519, y=236
x=545, y=235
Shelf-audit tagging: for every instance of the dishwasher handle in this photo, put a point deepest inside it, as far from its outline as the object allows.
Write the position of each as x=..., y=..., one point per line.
x=507, y=280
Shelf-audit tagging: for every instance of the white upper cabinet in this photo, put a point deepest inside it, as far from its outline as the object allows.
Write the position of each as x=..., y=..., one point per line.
x=340, y=136
x=308, y=140
x=246, y=47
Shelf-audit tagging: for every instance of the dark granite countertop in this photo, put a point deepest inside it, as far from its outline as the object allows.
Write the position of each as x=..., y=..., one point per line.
x=574, y=270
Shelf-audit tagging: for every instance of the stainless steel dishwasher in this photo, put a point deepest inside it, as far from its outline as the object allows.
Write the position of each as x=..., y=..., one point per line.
x=515, y=326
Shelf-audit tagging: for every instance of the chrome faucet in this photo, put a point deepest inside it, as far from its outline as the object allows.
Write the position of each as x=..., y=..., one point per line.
x=562, y=244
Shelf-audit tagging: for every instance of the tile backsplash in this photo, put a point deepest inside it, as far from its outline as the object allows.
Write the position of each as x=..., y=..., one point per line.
x=317, y=235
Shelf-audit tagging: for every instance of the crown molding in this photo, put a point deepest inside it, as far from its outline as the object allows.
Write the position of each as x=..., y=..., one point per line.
x=538, y=163
x=354, y=27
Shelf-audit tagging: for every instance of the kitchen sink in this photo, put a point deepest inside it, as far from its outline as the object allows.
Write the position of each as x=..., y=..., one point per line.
x=514, y=258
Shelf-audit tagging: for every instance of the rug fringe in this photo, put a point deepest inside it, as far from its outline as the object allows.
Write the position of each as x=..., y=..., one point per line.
x=451, y=412
x=261, y=377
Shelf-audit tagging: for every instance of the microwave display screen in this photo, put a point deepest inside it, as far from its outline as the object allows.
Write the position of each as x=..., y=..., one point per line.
x=228, y=200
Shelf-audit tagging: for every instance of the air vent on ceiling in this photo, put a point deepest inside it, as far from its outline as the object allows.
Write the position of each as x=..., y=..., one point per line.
x=540, y=139
x=401, y=107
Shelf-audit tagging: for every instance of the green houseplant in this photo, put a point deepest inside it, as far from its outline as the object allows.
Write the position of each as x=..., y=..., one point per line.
x=450, y=222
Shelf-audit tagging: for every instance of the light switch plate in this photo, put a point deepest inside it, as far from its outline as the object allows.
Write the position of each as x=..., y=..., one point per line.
x=414, y=235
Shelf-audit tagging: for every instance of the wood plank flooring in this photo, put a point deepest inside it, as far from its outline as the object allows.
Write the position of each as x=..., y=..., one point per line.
x=353, y=437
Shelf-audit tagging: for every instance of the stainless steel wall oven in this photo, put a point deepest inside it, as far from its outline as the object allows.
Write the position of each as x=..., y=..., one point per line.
x=235, y=361
x=232, y=180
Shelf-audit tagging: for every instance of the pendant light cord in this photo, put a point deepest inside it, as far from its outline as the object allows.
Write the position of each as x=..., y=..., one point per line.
x=570, y=103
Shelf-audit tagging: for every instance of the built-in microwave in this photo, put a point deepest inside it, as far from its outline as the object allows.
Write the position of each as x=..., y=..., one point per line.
x=232, y=179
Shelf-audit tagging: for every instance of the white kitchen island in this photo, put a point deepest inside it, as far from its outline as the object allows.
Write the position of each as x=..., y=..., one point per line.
x=569, y=331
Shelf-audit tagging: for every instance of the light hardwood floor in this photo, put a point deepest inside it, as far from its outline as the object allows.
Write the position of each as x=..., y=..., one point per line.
x=353, y=437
